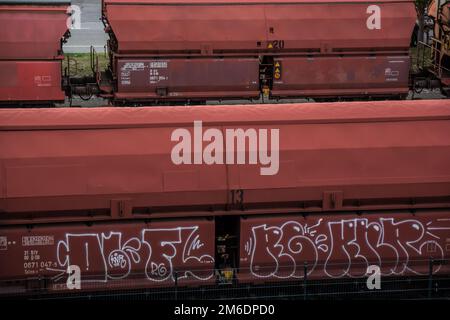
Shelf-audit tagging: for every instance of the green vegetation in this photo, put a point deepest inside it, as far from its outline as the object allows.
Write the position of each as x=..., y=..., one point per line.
x=424, y=56
x=80, y=63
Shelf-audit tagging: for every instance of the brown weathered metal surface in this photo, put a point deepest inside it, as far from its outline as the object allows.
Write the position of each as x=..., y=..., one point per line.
x=181, y=78
x=112, y=255
x=343, y=245
x=334, y=76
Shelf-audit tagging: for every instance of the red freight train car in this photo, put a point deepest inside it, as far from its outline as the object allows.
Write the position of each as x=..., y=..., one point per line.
x=132, y=195
x=31, y=50
x=215, y=49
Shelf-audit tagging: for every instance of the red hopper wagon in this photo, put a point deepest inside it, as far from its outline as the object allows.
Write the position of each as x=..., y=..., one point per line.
x=213, y=49
x=137, y=198
x=191, y=52
x=31, y=51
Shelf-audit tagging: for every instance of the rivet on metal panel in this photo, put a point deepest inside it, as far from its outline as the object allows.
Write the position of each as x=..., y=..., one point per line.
x=121, y=208
x=332, y=200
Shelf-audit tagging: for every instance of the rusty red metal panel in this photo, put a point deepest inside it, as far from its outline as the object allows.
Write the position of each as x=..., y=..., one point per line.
x=333, y=26
x=181, y=78
x=343, y=245
x=301, y=113
x=33, y=31
x=335, y=76
x=255, y=25
x=378, y=153
x=184, y=28
x=112, y=255
x=31, y=81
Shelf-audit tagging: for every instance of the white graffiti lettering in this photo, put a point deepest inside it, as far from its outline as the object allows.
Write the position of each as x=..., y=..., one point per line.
x=106, y=256
x=341, y=248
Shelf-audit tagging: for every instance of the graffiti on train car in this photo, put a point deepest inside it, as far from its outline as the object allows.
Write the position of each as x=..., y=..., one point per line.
x=158, y=252
x=338, y=248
